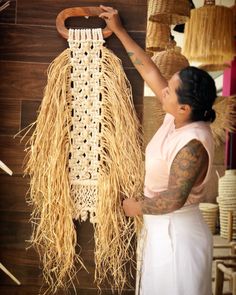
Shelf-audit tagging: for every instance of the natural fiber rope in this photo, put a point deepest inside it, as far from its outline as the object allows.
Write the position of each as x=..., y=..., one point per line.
x=85, y=46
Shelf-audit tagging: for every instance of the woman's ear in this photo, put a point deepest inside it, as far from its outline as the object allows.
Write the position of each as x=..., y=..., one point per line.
x=184, y=109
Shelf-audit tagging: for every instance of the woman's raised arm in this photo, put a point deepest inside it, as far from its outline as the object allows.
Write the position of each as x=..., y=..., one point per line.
x=142, y=62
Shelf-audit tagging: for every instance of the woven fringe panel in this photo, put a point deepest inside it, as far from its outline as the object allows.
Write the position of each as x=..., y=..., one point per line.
x=85, y=46
x=158, y=36
x=169, y=11
x=227, y=201
x=208, y=36
x=54, y=235
x=170, y=61
x=121, y=176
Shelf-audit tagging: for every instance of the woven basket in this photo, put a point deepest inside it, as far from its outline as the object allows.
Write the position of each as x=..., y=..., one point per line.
x=227, y=201
x=170, y=61
x=158, y=36
x=210, y=214
x=169, y=11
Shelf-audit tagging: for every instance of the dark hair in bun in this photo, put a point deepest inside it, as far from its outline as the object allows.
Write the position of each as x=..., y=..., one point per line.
x=198, y=90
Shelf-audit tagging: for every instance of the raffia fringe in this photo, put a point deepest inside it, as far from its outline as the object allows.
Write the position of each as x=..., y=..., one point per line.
x=54, y=235
x=121, y=177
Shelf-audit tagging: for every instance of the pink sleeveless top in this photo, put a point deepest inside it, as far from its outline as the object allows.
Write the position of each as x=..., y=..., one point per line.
x=163, y=148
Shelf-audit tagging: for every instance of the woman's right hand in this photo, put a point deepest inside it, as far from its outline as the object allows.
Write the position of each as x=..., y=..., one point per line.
x=112, y=19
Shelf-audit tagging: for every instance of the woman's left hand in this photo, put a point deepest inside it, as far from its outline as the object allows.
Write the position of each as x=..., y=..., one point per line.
x=132, y=207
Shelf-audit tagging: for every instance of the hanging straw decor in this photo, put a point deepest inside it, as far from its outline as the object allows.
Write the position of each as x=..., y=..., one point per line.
x=54, y=235
x=169, y=12
x=209, y=34
x=170, y=61
x=83, y=159
x=158, y=36
x=225, y=108
x=214, y=67
x=227, y=201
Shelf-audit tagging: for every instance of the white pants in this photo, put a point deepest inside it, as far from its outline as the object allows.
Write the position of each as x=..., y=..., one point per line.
x=176, y=254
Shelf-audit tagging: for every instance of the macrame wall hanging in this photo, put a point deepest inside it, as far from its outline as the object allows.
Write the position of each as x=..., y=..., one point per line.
x=83, y=159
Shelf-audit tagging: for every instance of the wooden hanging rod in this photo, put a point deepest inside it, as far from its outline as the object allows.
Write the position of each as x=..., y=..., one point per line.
x=75, y=12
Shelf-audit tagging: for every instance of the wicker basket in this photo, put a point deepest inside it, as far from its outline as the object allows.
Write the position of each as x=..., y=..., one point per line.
x=170, y=61
x=169, y=11
x=158, y=36
x=210, y=214
x=227, y=201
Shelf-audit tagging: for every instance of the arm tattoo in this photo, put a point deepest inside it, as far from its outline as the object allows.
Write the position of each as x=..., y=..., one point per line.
x=135, y=61
x=185, y=169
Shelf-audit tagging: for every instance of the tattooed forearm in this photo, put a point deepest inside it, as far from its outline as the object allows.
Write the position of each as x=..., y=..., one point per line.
x=134, y=60
x=189, y=163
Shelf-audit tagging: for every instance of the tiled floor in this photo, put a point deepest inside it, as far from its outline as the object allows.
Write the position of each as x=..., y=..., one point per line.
x=218, y=240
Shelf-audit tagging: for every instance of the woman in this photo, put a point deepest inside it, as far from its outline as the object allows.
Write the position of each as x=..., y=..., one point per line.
x=177, y=252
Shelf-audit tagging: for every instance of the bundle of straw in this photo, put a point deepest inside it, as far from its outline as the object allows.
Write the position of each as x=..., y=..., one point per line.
x=54, y=235
x=121, y=176
x=209, y=34
x=120, y=173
